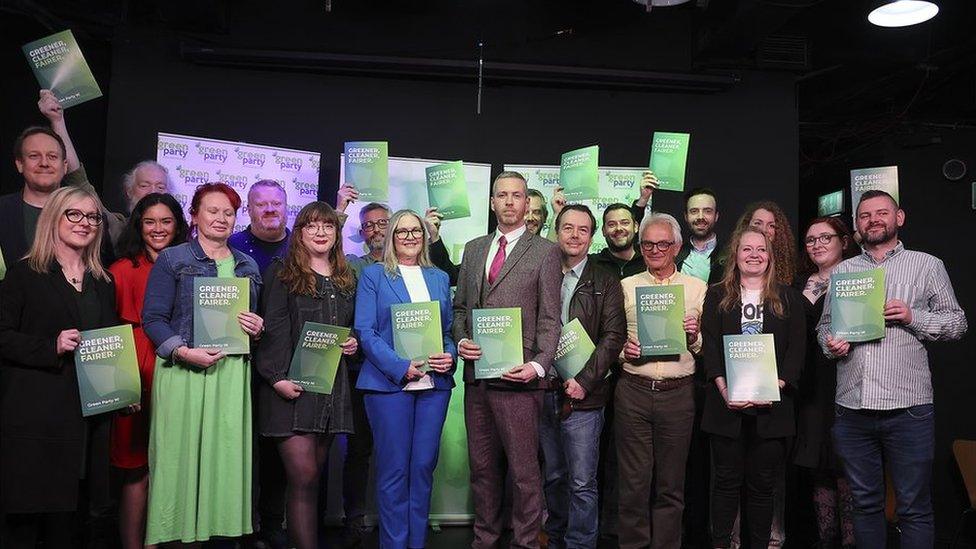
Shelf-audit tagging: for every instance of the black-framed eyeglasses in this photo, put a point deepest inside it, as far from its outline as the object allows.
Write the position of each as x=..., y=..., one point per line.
x=378, y=224
x=824, y=239
x=650, y=245
x=75, y=216
x=404, y=234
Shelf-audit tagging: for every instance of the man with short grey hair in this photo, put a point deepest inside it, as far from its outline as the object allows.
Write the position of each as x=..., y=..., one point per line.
x=654, y=401
x=144, y=178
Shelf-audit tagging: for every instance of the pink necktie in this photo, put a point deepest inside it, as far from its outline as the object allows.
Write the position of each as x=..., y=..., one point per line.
x=498, y=261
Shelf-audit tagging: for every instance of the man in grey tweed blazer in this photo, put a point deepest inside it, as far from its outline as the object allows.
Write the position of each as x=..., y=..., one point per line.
x=511, y=267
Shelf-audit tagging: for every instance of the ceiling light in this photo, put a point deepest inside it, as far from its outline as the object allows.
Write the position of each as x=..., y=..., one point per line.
x=902, y=13
x=660, y=3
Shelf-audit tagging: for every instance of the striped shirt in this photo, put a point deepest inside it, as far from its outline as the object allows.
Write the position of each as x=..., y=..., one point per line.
x=893, y=372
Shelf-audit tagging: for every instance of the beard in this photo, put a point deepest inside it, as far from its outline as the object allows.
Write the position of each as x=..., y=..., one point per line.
x=614, y=247
x=375, y=243
x=878, y=238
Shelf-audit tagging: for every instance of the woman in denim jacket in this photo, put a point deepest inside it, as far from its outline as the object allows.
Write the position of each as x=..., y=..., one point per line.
x=200, y=434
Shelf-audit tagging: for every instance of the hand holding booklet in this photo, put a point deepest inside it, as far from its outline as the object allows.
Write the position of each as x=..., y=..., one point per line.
x=316, y=359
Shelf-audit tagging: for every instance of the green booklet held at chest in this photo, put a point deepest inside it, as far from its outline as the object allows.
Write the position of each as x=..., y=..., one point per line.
x=59, y=66
x=574, y=350
x=750, y=368
x=316, y=359
x=579, y=174
x=216, y=304
x=661, y=320
x=499, y=334
x=366, y=167
x=669, y=158
x=108, y=370
x=417, y=331
x=857, y=305
x=447, y=190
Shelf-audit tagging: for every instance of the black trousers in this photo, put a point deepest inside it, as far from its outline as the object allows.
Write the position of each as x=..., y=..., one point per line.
x=750, y=462
x=355, y=470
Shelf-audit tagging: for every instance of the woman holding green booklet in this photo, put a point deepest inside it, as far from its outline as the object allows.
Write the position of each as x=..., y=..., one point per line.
x=748, y=436
x=406, y=397
x=312, y=284
x=200, y=436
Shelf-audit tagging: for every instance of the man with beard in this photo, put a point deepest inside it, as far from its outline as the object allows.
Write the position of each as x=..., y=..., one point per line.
x=699, y=256
x=885, y=416
x=620, y=257
x=373, y=220
x=535, y=218
x=266, y=238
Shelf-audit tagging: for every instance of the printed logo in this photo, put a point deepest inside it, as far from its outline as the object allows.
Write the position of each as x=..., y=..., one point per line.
x=183, y=199
x=172, y=149
x=193, y=177
x=211, y=153
x=250, y=159
x=305, y=188
x=548, y=179
x=237, y=181
x=313, y=162
x=619, y=181
x=288, y=163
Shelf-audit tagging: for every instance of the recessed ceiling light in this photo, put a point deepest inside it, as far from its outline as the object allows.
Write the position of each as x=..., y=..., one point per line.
x=902, y=13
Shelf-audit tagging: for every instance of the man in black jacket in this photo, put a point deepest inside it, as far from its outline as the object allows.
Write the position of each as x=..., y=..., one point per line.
x=572, y=416
x=620, y=257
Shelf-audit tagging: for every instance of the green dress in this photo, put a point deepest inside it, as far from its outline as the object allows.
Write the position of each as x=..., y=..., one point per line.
x=200, y=448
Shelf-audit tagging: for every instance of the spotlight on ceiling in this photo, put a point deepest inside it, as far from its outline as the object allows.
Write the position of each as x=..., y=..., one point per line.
x=902, y=13
x=660, y=3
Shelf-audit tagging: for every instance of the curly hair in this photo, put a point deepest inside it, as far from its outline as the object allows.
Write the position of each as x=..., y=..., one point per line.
x=783, y=244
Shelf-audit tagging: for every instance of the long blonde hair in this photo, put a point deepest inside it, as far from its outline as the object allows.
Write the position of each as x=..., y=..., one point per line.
x=732, y=280
x=389, y=253
x=42, y=251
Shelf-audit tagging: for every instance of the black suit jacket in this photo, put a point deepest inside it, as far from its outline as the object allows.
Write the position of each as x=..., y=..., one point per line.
x=789, y=334
x=13, y=242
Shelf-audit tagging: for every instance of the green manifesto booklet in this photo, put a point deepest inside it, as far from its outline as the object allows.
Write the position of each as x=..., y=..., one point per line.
x=316, y=359
x=108, y=370
x=499, y=334
x=417, y=331
x=661, y=319
x=669, y=158
x=447, y=190
x=750, y=367
x=216, y=304
x=857, y=305
x=366, y=167
x=574, y=350
x=579, y=174
x=59, y=66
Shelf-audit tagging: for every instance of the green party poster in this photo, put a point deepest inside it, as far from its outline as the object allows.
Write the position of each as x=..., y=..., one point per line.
x=417, y=331
x=750, y=368
x=499, y=334
x=59, y=66
x=447, y=190
x=669, y=159
x=316, y=359
x=857, y=305
x=216, y=304
x=573, y=350
x=108, y=370
x=367, y=169
x=579, y=174
x=660, y=319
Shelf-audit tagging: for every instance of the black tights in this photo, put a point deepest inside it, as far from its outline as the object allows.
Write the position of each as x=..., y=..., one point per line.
x=25, y=530
x=303, y=456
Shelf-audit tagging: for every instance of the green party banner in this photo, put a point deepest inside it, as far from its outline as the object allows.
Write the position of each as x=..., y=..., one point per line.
x=750, y=367
x=447, y=190
x=316, y=359
x=59, y=66
x=863, y=180
x=579, y=173
x=499, y=334
x=108, y=370
x=216, y=304
x=857, y=305
x=3, y=266
x=660, y=319
x=417, y=331
x=573, y=350
x=669, y=158
x=367, y=168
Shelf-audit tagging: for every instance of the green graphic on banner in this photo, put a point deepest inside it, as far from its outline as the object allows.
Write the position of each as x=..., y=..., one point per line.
x=660, y=319
x=867, y=179
x=579, y=174
x=216, y=304
x=830, y=204
x=857, y=305
x=447, y=190
x=574, y=350
x=417, y=331
x=367, y=169
x=669, y=158
x=59, y=66
x=451, y=498
x=499, y=334
x=108, y=370
x=750, y=368
x=316, y=360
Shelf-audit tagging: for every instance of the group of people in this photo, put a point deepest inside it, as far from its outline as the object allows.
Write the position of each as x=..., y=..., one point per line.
x=539, y=446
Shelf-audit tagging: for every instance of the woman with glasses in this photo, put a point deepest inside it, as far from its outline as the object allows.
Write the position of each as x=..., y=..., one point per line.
x=827, y=242
x=155, y=224
x=50, y=453
x=200, y=437
x=313, y=283
x=748, y=438
x=406, y=400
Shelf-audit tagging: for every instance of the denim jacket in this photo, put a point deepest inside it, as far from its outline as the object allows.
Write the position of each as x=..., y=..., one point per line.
x=167, y=312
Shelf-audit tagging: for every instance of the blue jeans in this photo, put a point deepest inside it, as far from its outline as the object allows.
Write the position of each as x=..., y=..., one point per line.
x=571, y=449
x=904, y=441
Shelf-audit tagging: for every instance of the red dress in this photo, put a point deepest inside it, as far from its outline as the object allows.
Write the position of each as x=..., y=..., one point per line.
x=130, y=433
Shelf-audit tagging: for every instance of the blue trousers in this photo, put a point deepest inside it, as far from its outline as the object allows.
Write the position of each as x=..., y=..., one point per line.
x=406, y=429
x=904, y=440
x=571, y=451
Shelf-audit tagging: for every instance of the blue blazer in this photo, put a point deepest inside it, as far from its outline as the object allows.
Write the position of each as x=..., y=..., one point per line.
x=382, y=369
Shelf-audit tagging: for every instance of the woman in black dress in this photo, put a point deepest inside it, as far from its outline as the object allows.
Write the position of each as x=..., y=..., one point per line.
x=827, y=242
x=313, y=283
